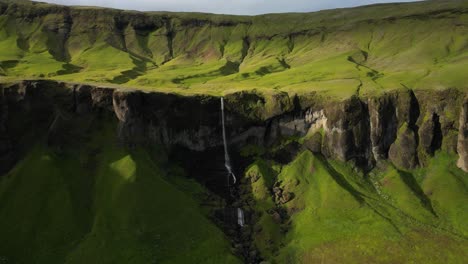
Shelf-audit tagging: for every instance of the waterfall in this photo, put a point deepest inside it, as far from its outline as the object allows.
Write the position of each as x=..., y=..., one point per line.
x=227, y=160
x=227, y=164
x=240, y=217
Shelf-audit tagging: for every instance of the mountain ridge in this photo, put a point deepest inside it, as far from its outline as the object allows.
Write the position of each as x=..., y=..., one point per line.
x=340, y=52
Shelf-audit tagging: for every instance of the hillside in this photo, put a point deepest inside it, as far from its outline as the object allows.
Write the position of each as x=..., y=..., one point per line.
x=346, y=131
x=101, y=203
x=340, y=52
x=95, y=174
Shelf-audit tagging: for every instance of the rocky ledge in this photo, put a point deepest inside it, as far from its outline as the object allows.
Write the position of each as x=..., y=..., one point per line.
x=403, y=126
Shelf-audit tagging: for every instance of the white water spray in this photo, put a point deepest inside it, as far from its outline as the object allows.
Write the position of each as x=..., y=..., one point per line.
x=240, y=217
x=227, y=164
x=227, y=160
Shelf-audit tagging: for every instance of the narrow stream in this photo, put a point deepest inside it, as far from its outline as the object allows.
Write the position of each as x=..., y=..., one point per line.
x=227, y=160
x=227, y=164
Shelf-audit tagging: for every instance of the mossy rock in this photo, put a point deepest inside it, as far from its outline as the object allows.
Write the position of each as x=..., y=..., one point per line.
x=403, y=152
x=259, y=105
x=314, y=143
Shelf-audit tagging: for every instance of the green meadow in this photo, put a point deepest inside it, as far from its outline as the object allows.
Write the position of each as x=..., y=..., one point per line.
x=337, y=52
x=339, y=215
x=102, y=203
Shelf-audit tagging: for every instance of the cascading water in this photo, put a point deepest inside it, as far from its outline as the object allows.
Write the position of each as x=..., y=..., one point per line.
x=227, y=160
x=227, y=164
x=240, y=217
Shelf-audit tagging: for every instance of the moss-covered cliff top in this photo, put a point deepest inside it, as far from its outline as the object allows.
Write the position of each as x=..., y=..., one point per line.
x=422, y=45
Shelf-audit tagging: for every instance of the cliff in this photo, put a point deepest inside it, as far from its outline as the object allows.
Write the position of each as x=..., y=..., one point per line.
x=404, y=127
x=344, y=128
x=463, y=137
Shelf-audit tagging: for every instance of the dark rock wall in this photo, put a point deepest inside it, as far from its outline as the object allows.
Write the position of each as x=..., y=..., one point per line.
x=347, y=132
x=393, y=127
x=402, y=126
x=463, y=137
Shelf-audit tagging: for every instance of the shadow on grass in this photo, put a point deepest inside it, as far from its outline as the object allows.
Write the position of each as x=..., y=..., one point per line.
x=69, y=69
x=341, y=180
x=9, y=64
x=137, y=71
x=409, y=180
x=227, y=69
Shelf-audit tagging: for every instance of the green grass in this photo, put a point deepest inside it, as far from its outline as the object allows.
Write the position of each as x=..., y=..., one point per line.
x=422, y=46
x=403, y=191
x=328, y=211
x=259, y=180
x=104, y=204
x=446, y=186
x=341, y=216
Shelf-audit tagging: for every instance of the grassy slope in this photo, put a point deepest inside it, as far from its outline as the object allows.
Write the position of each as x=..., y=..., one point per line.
x=103, y=204
x=337, y=216
x=374, y=48
x=118, y=206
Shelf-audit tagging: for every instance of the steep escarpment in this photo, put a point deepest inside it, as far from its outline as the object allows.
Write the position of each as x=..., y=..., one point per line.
x=404, y=127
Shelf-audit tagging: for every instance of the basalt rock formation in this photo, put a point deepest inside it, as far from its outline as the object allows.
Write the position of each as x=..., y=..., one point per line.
x=404, y=127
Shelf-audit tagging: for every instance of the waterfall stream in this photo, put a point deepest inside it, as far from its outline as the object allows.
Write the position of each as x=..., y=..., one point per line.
x=240, y=217
x=227, y=164
x=227, y=160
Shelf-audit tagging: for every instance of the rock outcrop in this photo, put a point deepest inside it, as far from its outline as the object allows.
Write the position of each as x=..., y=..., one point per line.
x=430, y=134
x=403, y=152
x=438, y=122
x=400, y=126
x=463, y=138
x=393, y=118
x=347, y=132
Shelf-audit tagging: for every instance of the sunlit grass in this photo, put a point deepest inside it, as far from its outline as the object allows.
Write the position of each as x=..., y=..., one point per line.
x=359, y=52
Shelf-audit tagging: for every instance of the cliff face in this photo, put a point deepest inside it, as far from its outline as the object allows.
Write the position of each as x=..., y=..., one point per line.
x=404, y=127
x=463, y=137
